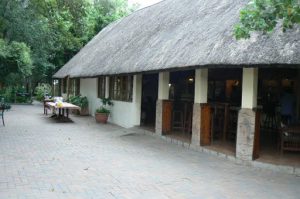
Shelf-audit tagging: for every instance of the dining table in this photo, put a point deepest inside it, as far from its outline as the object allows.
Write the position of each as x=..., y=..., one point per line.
x=63, y=109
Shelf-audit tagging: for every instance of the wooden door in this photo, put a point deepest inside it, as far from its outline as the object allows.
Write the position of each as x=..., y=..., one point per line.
x=256, y=146
x=205, y=125
x=166, y=116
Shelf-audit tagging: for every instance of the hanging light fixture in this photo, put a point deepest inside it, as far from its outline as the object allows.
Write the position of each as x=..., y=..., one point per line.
x=191, y=80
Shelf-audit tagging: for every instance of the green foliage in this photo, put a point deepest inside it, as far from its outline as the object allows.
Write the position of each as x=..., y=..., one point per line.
x=79, y=100
x=38, y=37
x=263, y=15
x=8, y=94
x=107, y=11
x=103, y=110
x=15, y=62
x=15, y=94
x=42, y=90
x=106, y=102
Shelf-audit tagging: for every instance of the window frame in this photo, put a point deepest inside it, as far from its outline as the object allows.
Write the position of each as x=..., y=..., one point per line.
x=121, y=88
x=101, y=87
x=64, y=85
x=77, y=86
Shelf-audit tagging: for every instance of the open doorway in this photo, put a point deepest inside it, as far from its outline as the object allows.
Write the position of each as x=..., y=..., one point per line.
x=224, y=101
x=181, y=94
x=278, y=97
x=149, y=98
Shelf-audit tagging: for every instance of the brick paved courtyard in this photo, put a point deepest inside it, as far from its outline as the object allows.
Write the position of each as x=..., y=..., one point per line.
x=43, y=159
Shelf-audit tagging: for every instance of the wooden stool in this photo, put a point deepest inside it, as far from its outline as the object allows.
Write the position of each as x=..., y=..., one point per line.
x=177, y=120
x=188, y=118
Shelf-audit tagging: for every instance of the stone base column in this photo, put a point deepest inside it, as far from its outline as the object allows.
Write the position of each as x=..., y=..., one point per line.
x=245, y=134
x=196, y=124
x=158, y=119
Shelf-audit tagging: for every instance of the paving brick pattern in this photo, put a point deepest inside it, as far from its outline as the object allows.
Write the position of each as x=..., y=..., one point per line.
x=43, y=159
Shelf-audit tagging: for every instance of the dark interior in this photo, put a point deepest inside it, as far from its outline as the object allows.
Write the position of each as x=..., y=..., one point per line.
x=149, y=98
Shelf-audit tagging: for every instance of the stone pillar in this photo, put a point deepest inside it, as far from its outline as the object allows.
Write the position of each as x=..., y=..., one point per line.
x=137, y=98
x=106, y=87
x=158, y=118
x=201, y=86
x=163, y=94
x=246, y=117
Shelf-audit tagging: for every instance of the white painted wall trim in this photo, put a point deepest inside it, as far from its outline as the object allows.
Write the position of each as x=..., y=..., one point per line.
x=249, y=88
x=106, y=87
x=201, y=85
x=163, y=85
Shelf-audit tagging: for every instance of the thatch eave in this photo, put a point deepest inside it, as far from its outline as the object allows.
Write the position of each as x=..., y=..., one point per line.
x=180, y=35
x=183, y=68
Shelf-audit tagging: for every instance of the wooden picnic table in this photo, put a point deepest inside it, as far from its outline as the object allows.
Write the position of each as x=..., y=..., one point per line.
x=61, y=109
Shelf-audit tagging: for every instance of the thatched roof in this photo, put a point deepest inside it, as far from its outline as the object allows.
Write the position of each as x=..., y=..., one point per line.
x=180, y=33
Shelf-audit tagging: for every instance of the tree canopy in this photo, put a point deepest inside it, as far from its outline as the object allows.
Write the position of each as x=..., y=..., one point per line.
x=264, y=15
x=38, y=37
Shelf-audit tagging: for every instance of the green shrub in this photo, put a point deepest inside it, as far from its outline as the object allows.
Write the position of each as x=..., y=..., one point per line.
x=42, y=90
x=103, y=110
x=106, y=102
x=8, y=94
x=79, y=101
x=15, y=94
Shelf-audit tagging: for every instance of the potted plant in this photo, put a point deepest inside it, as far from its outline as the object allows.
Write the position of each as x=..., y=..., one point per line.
x=102, y=113
x=82, y=102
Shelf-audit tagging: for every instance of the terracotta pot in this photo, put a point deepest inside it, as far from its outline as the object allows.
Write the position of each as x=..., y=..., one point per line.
x=84, y=111
x=101, y=117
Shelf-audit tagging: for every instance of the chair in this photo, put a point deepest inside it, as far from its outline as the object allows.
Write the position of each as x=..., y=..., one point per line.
x=217, y=121
x=289, y=138
x=2, y=115
x=178, y=120
x=46, y=107
x=271, y=116
x=188, y=117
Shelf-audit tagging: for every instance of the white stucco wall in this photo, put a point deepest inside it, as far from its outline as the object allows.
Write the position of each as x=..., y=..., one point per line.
x=125, y=114
x=88, y=88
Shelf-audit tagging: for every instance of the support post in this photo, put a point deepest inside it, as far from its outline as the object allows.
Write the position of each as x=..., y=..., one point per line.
x=201, y=87
x=163, y=94
x=163, y=85
x=53, y=87
x=62, y=86
x=247, y=116
x=106, y=87
x=298, y=95
x=137, y=97
x=68, y=87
